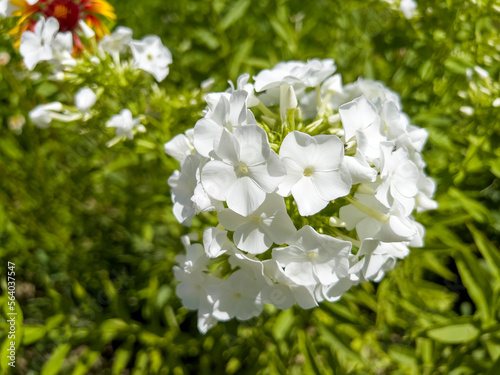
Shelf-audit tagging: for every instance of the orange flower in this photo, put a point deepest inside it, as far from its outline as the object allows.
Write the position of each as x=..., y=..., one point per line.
x=68, y=13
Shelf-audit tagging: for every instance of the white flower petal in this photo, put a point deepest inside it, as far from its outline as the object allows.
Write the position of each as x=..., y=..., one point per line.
x=357, y=114
x=331, y=185
x=281, y=228
x=251, y=238
x=217, y=179
x=307, y=198
x=245, y=196
x=298, y=143
x=205, y=132
x=329, y=152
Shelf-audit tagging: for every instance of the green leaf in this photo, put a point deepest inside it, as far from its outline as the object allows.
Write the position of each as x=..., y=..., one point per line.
x=53, y=365
x=282, y=324
x=236, y=12
x=85, y=362
x=495, y=369
x=111, y=328
x=454, y=334
x=310, y=365
x=488, y=250
x=120, y=361
x=477, y=210
x=476, y=282
x=33, y=334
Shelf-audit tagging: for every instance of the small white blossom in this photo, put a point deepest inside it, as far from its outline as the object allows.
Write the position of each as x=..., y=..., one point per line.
x=85, y=99
x=237, y=296
x=408, y=7
x=125, y=124
x=313, y=258
x=246, y=171
x=151, y=56
x=36, y=45
x=256, y=233
x=284, y=292
x=43, y=114
x=62, y=49
x=228, y=111
x=116, y=42
x=315, y=174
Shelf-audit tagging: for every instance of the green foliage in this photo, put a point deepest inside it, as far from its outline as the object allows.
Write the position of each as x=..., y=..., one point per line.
x=91, y=231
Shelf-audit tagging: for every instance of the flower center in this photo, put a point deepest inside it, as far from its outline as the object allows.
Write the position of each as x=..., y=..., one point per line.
x=312, y=255
x=308, y=171
x=243, y=168
x=150, y=58
x=66, y=12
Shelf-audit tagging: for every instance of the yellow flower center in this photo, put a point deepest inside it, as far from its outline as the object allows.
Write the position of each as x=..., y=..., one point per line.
x=308, y=171
x=243, y=168
x=60, y=11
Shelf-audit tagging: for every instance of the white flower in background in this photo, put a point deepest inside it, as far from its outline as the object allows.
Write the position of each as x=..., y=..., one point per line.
x=246, y=171
x=151, y=56
x=125, y=124
x=6, y=7
x=43, y=114
x=85, y=29
x=62, y=49
x=36, y=45
x=116, y=42
x=355, y=165
x=256, y=232
x=408, y=7
x=315, y=174
x=85, y=99
x=313, y=258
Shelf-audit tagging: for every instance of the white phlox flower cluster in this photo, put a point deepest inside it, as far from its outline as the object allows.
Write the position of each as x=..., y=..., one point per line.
x=313, y=185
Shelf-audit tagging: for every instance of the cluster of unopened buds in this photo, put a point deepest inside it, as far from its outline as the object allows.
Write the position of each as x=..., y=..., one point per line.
x=309, y=187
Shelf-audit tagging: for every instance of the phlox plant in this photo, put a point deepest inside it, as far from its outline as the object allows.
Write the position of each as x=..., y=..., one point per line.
x=69, y=40
x=311, y=186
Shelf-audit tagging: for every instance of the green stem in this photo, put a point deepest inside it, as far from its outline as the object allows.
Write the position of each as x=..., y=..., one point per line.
x=383, y=218
x=266, y=111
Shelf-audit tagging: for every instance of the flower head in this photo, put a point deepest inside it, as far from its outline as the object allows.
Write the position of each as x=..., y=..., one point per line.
x=152, y=56
x=85, y=99
x=349, y=175
x=315, y=174
x=125, y=124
